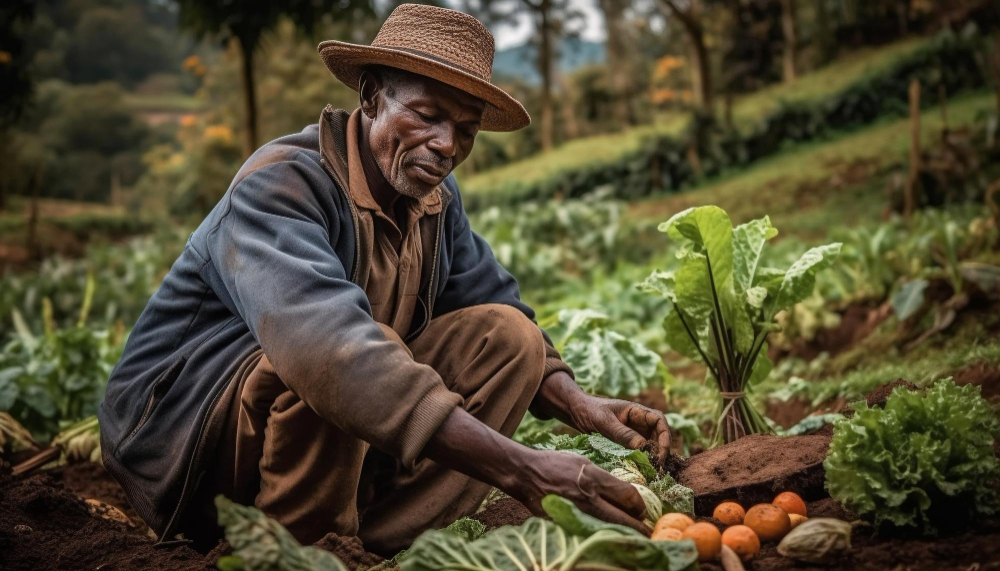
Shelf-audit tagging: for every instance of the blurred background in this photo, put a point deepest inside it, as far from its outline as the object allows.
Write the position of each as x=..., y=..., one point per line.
x=873, y=122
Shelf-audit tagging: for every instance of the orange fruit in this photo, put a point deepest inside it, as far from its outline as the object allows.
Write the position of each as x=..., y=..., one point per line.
x=678, y=521
x=796, y=519
x=729, y=513
x=666, y=534
x=791, y=503
x=768, y=521
x=742, y=540
x=706, y=538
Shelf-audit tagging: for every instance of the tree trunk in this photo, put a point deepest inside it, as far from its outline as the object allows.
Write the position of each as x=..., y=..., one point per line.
x=247, y=50
x=701, y=76
x=618, y=67
x=903, y=17
x=789, y=30
x=910, y=198
x=571, y=127
x=545, y=70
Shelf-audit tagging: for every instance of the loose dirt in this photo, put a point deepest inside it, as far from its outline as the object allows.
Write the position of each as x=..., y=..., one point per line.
x=755, y=468
x=45, y=526
x=350, y=550
x=505, y=511
x=877, y=398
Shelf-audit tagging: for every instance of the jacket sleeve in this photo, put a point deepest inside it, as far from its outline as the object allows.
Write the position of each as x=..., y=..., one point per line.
x=273, y=253
x=476, y=277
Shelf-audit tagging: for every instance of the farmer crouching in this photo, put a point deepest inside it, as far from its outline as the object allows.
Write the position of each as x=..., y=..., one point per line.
x=336, y=346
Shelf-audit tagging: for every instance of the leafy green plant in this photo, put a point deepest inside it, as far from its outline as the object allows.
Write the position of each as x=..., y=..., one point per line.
x=60, y=375
x=925, y=454
x=262, y=544
x=604, y=361
x=723, y=304
x=572, y=540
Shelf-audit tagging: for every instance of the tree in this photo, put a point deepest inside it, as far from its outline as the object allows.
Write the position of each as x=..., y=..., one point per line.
x=246, y=23
x=688, y=13
x=15, y=77
x=552, y=19
x=620, y=51
x=788, y=28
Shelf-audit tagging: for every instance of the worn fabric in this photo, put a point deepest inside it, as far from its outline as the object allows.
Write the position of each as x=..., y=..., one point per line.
x=314, y=479
x=392, y=282
x=274, y=268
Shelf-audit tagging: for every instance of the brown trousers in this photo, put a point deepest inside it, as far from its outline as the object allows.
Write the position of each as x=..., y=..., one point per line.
x=301, y=470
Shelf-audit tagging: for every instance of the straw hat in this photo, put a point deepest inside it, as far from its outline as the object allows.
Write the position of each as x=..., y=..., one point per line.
x=449, y=46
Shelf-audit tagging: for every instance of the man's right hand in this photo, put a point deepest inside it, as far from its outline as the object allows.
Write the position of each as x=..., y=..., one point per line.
x=466, y=445
x=592, y=489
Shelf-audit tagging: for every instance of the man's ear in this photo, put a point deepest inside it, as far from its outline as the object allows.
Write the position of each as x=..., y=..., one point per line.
x=369, y=88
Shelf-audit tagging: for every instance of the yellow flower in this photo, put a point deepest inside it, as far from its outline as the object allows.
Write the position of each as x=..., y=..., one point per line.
x=219, y=132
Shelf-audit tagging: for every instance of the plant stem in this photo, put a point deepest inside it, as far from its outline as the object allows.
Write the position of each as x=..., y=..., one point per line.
x=694, y=340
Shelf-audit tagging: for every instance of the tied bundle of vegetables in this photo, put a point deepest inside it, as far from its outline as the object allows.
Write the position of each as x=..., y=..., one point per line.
x=723, y=304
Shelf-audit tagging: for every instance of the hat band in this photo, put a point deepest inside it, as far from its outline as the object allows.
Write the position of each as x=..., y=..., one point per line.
x=437, y=59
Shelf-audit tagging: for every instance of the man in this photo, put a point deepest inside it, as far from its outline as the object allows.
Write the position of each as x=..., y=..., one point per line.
x=336, y=346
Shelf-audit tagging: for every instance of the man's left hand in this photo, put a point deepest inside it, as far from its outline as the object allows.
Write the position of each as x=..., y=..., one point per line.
x=627, y=423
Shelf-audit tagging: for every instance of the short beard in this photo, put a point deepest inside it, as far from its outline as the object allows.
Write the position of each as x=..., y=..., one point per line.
x=405, y=186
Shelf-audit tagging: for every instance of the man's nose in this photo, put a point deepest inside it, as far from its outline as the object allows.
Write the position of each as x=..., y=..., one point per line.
x=443, y=140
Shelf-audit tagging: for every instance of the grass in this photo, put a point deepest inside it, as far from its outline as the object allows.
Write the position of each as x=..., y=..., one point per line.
x=814, y=186
x=610, y=148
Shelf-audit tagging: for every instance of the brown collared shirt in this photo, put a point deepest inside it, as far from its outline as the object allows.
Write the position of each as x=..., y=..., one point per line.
x=396, y=252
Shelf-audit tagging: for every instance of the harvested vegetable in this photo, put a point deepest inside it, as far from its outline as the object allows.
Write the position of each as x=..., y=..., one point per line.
x=742, y=540
x=730, y=561
x=667, y=534
x=677, y=521
x=768, y=521
x=922, y=453
x=706, y=538
x=790, y=502
x=818, y=540
x=796, y=519
x=654, y=508
x=675, y=497
x=729, y=513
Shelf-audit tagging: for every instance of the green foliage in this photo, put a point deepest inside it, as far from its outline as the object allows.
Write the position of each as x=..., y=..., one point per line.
x=660, y=162
x=80, y=442
x=13, y=436
x=601, y=451
x=673, y=496
x=572, y=540
x=470, y=529
x=723, y=303
x=604, y=361
x=57, y=376
x=923, y=456
x=262, y=544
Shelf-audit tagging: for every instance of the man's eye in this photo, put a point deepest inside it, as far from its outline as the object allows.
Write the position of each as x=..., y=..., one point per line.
x=425, y=117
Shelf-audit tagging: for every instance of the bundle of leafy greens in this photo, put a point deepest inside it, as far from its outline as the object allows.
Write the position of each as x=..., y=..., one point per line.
x=629, y=465
x=262, y=544
x=723, y=304
x=923, y=455
x=572, y=540
x=604, y=361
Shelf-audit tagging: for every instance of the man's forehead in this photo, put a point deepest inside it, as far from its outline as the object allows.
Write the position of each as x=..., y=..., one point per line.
x=416, y=87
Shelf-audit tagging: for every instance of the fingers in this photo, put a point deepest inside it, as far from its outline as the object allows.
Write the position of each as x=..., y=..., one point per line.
x=611, y=514
x=620, y=494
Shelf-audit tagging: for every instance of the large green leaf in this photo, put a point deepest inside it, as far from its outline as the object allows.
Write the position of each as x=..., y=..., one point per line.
x=800, y=279
x=748, y=243
x=601, y=451
x=573, y=540
x=262, y=544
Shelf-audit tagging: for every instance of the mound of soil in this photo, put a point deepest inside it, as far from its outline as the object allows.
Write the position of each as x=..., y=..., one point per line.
x=505, y=511
x=755, y=468
x=877, y=397
x=45, y=526
x=350, y=550
x=963, y=551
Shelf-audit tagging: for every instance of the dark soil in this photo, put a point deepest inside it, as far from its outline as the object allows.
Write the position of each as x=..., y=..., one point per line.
x=877, y=398
x=961, y=551
x=505, y=511
x=755, y=468
x=985, y=375
x=89, y=480
x=857, y=321
x=45, y=526
x=350, y=550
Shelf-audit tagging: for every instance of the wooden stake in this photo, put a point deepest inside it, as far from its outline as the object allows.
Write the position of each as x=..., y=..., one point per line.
x=911, y=182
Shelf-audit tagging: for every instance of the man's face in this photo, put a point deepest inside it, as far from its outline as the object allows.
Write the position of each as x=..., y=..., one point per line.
x=421, y=130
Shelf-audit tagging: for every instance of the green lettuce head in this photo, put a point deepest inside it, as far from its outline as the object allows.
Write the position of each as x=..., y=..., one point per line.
x=924, y=456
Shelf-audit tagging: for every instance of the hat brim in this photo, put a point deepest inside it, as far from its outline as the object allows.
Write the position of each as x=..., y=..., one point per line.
x=346, y=61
